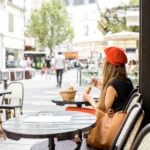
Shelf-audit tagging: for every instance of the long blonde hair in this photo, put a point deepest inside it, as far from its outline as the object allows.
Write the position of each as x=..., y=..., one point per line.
x=110, y=71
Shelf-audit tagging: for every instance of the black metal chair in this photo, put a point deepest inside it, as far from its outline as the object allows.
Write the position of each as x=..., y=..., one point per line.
x=142, y=141
x=129, y=128
x=15, y=99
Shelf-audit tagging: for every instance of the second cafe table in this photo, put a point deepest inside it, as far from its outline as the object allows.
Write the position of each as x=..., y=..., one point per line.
x=18, y=127
x=78, y=101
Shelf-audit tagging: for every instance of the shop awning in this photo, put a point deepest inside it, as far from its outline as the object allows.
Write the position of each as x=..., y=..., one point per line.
x=71, y=55
x=122, y=36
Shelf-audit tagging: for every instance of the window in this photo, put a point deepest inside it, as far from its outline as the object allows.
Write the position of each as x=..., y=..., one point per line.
x=91, y=1
x=78, y=2
x=66, y=2
x=86, y=30
x=11, y=23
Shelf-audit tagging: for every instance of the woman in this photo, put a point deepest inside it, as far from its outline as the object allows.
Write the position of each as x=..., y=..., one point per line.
x=48, y=67
x=115, y=88
x=132, y=66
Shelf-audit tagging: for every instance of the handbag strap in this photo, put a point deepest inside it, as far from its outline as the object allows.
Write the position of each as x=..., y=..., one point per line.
x=110, y=112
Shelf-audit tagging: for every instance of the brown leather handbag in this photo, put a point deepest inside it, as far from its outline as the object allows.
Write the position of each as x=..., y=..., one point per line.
x=107, y=126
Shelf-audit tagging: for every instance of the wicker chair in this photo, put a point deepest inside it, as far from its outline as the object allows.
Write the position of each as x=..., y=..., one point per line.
x=136, y=97
x=1, y=130
x=142, y=141
x=129, y=129
x=17, y=95
x=126, y=133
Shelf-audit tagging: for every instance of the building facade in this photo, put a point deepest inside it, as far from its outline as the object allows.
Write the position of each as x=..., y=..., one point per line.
x=11, y=33
x=84, y=15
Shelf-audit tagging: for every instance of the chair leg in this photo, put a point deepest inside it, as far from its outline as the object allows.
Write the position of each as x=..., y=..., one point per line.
x=21, y=111
x=8, y=114
x=14, y=113
x=9, y=101
x=3, y=134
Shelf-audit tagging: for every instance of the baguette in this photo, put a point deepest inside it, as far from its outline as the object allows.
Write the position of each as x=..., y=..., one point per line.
x=88, y=90
x=70, y=88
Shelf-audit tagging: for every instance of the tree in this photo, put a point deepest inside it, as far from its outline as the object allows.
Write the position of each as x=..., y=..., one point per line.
x=114, y=20
x=134, y=2
x=51, y=25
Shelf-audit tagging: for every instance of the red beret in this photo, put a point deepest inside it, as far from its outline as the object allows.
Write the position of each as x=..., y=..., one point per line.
x=115, y=56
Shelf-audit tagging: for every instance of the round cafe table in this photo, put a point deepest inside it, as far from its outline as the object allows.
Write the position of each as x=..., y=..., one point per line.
x=58, y=124
x=78, y=101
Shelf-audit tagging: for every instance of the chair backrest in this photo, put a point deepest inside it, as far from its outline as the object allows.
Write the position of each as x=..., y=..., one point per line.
x=142, y=141
x=17, y=91
x=135, y=90
x=132, y=116
x=136, y=97
x=129, y=142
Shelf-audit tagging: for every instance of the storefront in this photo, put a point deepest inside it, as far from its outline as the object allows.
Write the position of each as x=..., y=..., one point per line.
x=37, y=58
x=12, y=49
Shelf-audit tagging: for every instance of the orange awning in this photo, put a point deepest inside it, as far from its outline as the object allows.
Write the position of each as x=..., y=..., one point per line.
x=71, y=55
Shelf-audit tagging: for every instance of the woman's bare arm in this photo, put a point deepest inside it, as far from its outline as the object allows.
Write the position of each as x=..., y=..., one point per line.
x=110, y=97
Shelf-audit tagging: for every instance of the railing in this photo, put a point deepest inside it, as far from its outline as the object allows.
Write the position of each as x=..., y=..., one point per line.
x=16, y=74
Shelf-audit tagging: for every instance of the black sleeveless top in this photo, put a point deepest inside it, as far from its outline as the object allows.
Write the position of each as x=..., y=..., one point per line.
x=123, y=87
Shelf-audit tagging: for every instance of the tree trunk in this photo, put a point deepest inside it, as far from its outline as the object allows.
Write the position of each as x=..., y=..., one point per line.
x=51, y=52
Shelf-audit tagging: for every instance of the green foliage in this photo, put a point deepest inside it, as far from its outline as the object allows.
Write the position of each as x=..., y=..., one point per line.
x=51, y=25
x=115, y=20
x=134, y=2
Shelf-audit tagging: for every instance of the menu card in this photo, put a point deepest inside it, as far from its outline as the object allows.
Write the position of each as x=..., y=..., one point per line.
x=47, y=119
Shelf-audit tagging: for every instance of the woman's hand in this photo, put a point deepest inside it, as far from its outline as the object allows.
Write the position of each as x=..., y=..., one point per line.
x=87, y=97
x=97, y=83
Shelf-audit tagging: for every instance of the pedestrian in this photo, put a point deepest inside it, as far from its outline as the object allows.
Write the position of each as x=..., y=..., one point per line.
x=28, y=63
x=77, y=64
x=28, y=66
x=60, y=67
x=48, y=67
x=132, y=66
x=43, y=71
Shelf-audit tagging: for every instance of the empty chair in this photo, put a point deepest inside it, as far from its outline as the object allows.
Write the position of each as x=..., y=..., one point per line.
x=142, y=141
x=129, y=128
x=15, y=99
